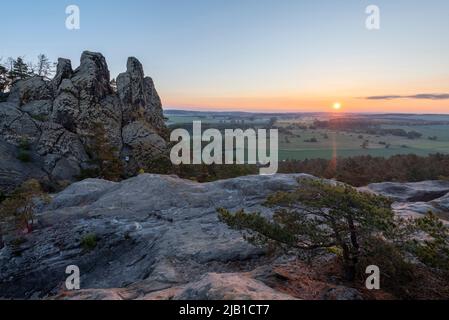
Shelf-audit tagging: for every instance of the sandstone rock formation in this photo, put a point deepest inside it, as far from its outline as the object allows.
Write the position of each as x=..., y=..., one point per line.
x=57, y=119
x=153, y=233
x=157, y=237
x=415, y=198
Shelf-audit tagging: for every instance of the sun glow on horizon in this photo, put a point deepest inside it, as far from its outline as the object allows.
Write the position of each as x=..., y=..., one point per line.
x=337, y=106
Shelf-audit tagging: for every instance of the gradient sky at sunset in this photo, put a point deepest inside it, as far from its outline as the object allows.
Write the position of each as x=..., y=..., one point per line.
x=264, y=55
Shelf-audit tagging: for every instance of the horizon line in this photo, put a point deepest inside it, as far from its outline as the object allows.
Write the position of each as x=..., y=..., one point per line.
x=217, y=110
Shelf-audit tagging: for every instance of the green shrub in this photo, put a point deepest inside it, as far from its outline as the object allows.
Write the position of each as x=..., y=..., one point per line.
x=40, y=117
x=434, y=250
x=24, y=144
x=24, y=156
x=396, y=273
x=89, y=242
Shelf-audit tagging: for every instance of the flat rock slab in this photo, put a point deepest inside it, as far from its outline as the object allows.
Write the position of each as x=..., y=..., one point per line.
x=157, y=231
x=424, y=191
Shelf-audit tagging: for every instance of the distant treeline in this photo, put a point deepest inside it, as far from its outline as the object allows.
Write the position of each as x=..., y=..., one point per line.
x=356, y=171
x=14, y=69
x=362, y=170
x=363, y=126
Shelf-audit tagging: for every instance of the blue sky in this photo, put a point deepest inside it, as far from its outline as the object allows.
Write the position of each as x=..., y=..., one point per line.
x=252, y=54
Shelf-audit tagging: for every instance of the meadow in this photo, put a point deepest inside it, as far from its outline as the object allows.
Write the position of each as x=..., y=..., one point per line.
x=300, y=140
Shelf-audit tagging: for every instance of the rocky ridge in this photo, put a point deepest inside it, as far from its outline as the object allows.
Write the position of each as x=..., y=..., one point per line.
x=156, y=237
x=57, y=120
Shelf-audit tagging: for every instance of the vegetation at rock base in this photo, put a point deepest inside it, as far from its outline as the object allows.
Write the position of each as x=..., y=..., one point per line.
x=89, y=242
x=360, y=228
x=24, y=151
x=434, y=250
x=104, y=156
x=4, y=81
x=23, y=156
x=21, y=204
x=197, y=172
x=356, y=171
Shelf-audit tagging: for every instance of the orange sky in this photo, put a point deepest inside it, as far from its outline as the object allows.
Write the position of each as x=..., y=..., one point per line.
x=317, y=95
x=310, y=104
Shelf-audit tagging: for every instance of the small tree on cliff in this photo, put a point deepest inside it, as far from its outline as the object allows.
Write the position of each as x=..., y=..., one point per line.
x=20, y=70
x=338, y=218
x=4, y=81
x=104, y=155
x=21, y=204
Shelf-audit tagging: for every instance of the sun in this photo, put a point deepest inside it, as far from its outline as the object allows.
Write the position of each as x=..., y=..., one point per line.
x=337, y=106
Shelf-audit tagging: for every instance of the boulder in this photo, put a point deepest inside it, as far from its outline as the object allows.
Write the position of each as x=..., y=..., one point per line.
x=342, y=293
x=143, y=142
x=39, y=110
x=16, y=126
x=442, y=203
x=225, y=286
x=410, y=192
x=66, y=110
x=13, y=172
x=415, y=199
x=56, y=140
x=32, y=89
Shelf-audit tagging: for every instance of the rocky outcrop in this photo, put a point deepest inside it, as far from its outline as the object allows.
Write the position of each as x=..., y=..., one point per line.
x=223, y=286
x=423, y=191
x=212, y=286
x=58, y=119
x=159, y=237
x=415, y=199
x=152, y=233
x=13, y=172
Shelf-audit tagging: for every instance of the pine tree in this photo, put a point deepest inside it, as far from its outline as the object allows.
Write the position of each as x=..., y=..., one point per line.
x=3, y=79
x=20, y=70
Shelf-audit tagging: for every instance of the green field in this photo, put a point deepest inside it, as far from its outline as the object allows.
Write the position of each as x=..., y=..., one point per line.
x=294, y=142
x=346, y=144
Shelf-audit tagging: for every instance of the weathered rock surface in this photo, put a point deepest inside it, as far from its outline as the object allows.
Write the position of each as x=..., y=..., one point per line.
x=158, y=237
x=416, y=198
x=223, y=286
x=411, y=192
x=211, y=286
x=60, y=116
x=13, y=172
x=153, y=233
